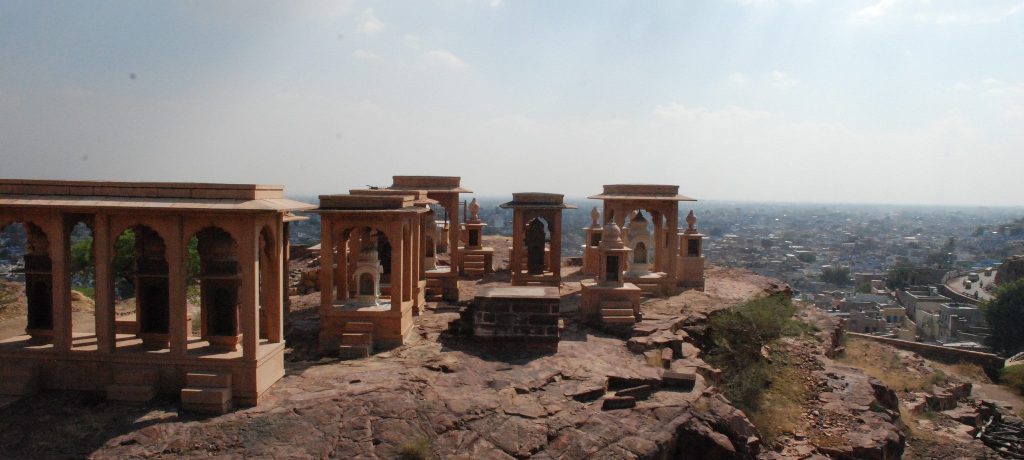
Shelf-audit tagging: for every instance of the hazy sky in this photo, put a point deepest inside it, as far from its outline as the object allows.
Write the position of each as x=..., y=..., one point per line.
x=877, y=101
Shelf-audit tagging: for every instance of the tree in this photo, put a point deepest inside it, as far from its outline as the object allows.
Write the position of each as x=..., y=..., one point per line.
x=864, y=288
x=1005, y=315
x=904, y=274
x=839, y=276
x=806, y=257
x=767, y=243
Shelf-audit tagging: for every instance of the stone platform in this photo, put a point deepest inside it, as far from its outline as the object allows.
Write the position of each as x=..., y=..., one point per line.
x=527, y=315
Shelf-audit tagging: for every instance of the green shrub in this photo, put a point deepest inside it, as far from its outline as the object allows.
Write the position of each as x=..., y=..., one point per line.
x=737, y=337
x=1013, y=377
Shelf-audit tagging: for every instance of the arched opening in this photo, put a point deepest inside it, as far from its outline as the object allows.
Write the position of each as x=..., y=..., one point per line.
x=366, y=284
x=640, y=253
x=81, y=272
x=219, y=284
x=140, y=270
x=536, y=239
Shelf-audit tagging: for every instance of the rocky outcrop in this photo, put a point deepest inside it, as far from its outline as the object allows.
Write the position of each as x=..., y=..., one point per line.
x=1011, y=270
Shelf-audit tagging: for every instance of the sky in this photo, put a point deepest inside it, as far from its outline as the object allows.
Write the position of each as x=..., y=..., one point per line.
x=849, y=101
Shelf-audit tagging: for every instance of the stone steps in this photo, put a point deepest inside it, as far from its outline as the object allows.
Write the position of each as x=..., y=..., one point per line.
x=618, y=319
x=617, y=312
x=207, y=392
x=435, y=290
x=19, y=381
x=356, y=340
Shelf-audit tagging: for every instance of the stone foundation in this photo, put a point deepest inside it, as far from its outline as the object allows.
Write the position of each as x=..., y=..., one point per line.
x=528, y=315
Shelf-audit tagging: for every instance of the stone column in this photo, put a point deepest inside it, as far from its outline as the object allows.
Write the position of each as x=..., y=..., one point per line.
x=658, y=236
x=58, y=235
x=672, y=223
x=454, y=230
x=286, y=244
x=177, y=251
x=409, y=264
x=102, y=244
x=276, y=285
x=555, y=258
x=342, y=276
x=517, y=242
x=326, y=264
x=248, y=250
x=397, y=254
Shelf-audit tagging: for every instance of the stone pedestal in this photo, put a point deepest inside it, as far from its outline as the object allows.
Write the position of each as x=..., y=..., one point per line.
x=475, y=260
x=598, y=302
x=527, y=316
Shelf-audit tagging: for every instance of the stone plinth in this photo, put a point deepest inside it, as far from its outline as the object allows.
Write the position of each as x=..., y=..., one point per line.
x=595, y=297
x=527, y=315
x=691, y=272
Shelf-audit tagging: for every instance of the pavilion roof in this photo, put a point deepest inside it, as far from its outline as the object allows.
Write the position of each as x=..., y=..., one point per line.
x=641, y=192
x=180, y=196
x=429, y=183
x=537, y=201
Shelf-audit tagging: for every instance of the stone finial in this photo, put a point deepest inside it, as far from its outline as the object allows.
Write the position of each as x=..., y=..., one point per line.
x=611, y=235
x=474, y=211
x=594, y=216
x=691, y=221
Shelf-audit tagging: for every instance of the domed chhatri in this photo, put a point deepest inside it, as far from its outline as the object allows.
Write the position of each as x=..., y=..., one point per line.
x=657, y=266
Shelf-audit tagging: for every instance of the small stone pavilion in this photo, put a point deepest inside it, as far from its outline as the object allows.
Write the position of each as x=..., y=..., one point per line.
x=536, y=257
x=442, y=281
x=609, y=299
x=474, y=258
x=652, y=213
x=371, y=269
x=242, y=233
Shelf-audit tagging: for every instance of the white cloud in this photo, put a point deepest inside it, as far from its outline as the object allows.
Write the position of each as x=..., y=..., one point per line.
x=875, y=10
x=365, y=55
x=927, y=11
x=767, y=3
x=367, y=22
x=445, y=58
x=495, y=3
x=782, y=80
x=738, y=78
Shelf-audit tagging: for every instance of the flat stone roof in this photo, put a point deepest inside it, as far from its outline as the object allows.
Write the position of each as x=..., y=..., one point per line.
x=140, y=189
x=519, y=292
x=146, y=195
x=367, y=202
x=641, y=192
x=419, y=196
x=429, y=183
x=537, y=200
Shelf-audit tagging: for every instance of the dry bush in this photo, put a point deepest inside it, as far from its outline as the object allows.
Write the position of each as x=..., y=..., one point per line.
x=884, y=363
